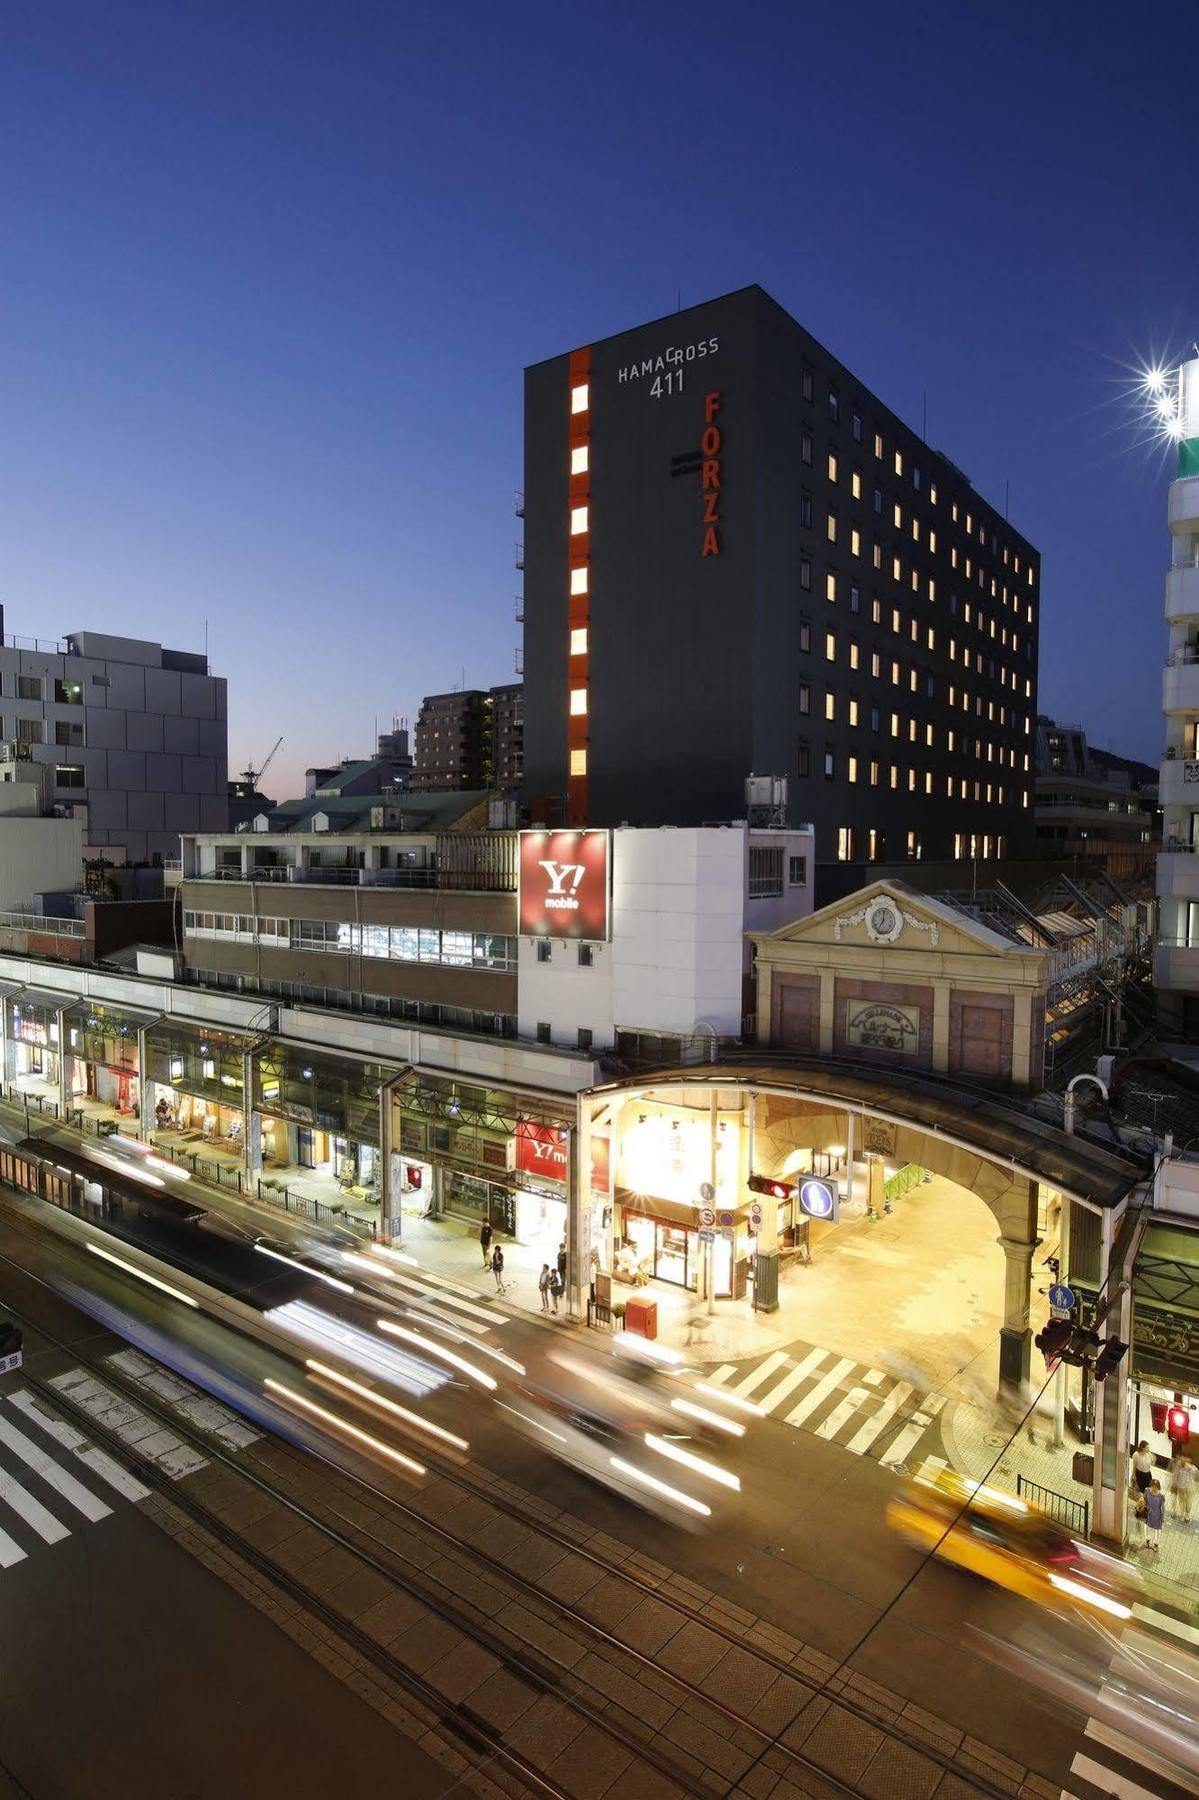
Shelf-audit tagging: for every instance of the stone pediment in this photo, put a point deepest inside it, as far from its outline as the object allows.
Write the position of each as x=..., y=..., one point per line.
x=890, y=915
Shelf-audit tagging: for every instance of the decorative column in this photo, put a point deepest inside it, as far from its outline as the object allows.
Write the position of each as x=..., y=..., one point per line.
x=1109, y=1506
x=1015, y=1338
x=578, y=1210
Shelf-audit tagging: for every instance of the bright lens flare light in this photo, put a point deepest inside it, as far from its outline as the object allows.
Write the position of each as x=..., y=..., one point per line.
x=1155, y=381
x=381, y=1400
x=141, y=1275
x=699, y=1465
x=432, y=1349
x=336, y=1424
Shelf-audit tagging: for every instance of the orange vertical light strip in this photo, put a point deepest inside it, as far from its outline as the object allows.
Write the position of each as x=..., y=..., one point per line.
x=578, y=608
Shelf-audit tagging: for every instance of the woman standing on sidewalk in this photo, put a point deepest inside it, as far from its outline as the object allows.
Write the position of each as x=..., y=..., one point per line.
x=497, y=1269
x=1142, y=1467
x=1155, y=1513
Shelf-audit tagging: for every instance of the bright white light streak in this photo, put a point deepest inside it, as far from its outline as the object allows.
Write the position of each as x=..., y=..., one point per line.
x=707, y=1417
x=128, y=1143
x=394, y=1255
x=124, y=1168
x=698, y=1464
x=528, y=1419
x=734, y=1400
x=1090, y=1597
x=455, y=1361
x=343, y=1287
x=362, y=1349
x=141, y=1275
x=660, y=1487
x=160, y=1162
x=647, y=1350
x=391, y=1406
x=332, y=1420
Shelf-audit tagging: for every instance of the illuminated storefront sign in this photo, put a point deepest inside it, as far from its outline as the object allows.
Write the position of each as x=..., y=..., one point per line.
x=564, y=884
x=542, y=1150
x=670, y=1158
x=710, y=475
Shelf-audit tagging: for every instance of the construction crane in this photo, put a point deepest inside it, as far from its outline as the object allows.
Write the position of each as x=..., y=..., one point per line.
x=254, y=776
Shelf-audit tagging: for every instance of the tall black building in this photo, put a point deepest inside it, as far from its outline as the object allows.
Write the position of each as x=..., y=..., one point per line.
x=738, y=560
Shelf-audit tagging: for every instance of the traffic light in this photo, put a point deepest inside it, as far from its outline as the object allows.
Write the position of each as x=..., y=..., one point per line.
x=1111, y=1354
x=767, y=1184
x=1178, y=1425
x=1055, y=1341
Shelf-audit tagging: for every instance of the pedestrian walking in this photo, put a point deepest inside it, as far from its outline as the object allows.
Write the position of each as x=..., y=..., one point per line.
x=485, y=1243
x=1142, y=1467
x=544, y=1283
x=556, y=1287
x=1182, y=1482
x=562, y=1263
x=1155, y=1513
x=497, y=1269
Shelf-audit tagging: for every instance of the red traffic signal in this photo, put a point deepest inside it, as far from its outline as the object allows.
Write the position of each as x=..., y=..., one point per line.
x=1178, y=1424
x=767, y=1184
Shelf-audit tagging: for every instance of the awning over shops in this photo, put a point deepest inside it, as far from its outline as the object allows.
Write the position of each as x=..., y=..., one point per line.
x=100, y=1015
x=45, y=998
x=993, y=1126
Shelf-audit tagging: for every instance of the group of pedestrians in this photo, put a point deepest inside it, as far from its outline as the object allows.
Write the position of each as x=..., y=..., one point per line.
x=551, y=1282
x=1148, y=1499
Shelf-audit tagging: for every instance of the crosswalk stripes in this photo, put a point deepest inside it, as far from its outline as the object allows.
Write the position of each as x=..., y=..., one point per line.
x=96, y=1460
x=63, y=1483
x=852, y=1404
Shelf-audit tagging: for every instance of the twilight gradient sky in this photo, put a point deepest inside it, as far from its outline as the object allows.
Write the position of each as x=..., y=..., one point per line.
x=270, y=275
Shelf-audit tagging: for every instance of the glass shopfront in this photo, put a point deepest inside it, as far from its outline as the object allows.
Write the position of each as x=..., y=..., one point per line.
x=195, y=1093
x=100, y=1045
x=34, y=1047
x=487, y=1155
x=320, y=1113
x=663, y=1250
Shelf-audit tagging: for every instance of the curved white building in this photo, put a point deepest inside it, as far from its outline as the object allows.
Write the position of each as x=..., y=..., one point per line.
x=1176, y=961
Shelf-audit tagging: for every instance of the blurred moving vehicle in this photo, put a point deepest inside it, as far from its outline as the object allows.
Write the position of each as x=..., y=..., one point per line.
x=1005, y=1540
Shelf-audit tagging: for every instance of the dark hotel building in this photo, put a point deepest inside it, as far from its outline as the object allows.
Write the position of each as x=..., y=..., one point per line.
x=738, y=561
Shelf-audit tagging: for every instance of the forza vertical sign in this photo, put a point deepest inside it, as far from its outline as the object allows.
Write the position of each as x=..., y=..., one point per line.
x=710, y=445
x=564, y=884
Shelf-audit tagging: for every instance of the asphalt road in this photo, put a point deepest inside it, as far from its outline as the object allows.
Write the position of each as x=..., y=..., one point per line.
x=805, y=1546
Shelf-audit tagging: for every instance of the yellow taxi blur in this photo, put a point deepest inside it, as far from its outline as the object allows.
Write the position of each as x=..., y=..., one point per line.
x=1005, y=1540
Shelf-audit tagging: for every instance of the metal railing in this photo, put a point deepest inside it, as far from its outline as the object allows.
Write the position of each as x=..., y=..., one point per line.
x=479, y=881
x=40, y=923
x=46, y=1109
x=48, y=646
x=1075, y=1515
x=277, y=1193
x=1186, y=653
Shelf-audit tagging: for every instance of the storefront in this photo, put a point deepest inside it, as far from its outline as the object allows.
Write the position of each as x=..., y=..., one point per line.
x=1163, y=1399
x=487, y=1154
x=100, y=1050
x=664, y=1167
x=33, y=1047
x=195, y=1085
x=320, y=1114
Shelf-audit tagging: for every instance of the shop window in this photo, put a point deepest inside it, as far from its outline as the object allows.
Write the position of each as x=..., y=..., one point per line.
x=586, y=956
x=543, y=1032
x=544, y=950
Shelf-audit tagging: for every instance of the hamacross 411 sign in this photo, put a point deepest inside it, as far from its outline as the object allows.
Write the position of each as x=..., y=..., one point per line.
x=564, y=884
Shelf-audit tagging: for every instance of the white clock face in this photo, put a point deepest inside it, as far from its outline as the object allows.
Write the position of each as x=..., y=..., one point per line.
x=884, y=922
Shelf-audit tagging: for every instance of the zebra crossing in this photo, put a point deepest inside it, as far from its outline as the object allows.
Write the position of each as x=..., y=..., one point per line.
x=1111, y=1762
x=43, y=1502
x=861, y=1409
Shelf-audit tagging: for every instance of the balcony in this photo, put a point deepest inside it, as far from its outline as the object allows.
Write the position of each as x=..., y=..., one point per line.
x=1179, y=782
x=1178, y=871
x=1180, y=681
x=1182, y=592
x=1184, y=504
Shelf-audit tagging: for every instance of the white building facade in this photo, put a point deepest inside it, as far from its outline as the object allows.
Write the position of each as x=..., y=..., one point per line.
x=1176, y=961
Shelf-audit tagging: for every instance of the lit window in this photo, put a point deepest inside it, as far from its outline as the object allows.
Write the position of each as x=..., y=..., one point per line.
x=898, y=516
x=854, y=655
x=578, y=762
x=830, y=586
x=915, y=527
x=928, y=735
x=830, y=646
x=578, y=581
x=928, y=782
x=578, y=520
x=894, y=775
x=855, y=541
x=853, y=710
x=580, y=398
x=899, y=462
x=578, y=641
x=874, y=774
x=932, y=542
x=830, y=706
x=856, y=483
x=894, y=724
x=878, y=444
x=832, y=466
x=578, y=702
x=845, y=843
x=831, y=528
x=932, y=495
x=578, y=460
x=872, y=844
x=853, y=768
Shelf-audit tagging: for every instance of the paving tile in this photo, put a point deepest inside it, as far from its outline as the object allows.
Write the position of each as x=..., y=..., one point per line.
x=545, y=1730
x=715, y=1752
x=692, y=1652
x=781, y=1705
x=993, y=1759
x=900, y=1773
x=929, y=1725
x=461, y=1670
x=972, y=1765
x=630, y=1694
x=610, y=1601
x=425, y=1643
x=648, y=1626
x=358, y=1592
x=503, y=1698
x=532, y=1629
x=590, y=1764
x=739, y=1679
x=394, y=1613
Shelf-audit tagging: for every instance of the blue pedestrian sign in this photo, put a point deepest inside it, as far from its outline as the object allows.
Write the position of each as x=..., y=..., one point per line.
x=820, y=1200
x=1061, y=1298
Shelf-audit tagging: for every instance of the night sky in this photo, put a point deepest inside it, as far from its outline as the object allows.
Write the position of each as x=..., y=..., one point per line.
x=270, y=275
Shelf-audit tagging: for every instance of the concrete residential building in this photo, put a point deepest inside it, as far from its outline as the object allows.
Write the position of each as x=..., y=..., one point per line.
x=738, y=560
x=1176, y=962
x=37, y=854
x=132, y=734
x=507, y=738
x=1091, y=806
x=472, y=738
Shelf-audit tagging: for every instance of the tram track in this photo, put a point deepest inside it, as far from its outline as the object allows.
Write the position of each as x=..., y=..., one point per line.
x=550, y=1679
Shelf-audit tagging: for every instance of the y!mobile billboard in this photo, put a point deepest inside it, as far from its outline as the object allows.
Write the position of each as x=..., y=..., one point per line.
x=564, y=884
